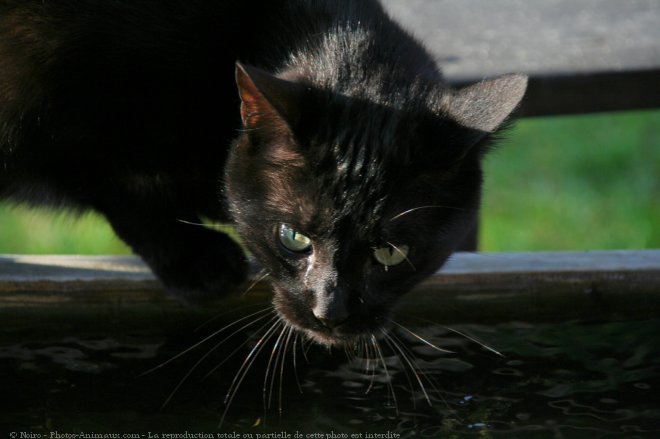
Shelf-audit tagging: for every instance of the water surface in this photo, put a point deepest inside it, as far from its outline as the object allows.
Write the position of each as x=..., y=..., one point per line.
x=570, y=380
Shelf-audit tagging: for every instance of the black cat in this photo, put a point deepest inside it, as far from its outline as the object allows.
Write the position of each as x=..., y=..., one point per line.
x=353, y=176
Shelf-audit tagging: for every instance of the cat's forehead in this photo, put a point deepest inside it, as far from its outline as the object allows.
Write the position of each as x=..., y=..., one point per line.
x=346, y=168
x=331, y=202
x=357, y=163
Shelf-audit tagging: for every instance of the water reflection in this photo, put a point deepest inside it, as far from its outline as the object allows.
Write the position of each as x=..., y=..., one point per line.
x=563, y=381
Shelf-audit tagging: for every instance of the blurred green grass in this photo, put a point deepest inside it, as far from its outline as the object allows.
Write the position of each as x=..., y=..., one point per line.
x=575, y=183
x=560, y=183
x=44, y=231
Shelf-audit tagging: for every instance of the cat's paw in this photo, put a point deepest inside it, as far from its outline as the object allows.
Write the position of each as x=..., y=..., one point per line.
x=208, y=267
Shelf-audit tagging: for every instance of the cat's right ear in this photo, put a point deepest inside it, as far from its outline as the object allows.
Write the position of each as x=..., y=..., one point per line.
x=267, y=102
x=486, y=105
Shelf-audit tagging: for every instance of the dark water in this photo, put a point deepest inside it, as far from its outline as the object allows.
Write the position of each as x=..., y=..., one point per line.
x=554, y=381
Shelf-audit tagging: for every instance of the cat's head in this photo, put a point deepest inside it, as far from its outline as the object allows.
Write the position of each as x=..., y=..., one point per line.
x=349, y=201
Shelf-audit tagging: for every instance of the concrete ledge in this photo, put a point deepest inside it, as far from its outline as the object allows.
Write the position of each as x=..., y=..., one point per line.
x=471, y=288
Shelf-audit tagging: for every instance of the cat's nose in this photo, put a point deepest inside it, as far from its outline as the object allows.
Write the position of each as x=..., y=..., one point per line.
x=331, y=308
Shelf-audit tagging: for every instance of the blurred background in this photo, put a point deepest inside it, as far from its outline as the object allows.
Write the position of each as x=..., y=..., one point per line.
x=557, y=183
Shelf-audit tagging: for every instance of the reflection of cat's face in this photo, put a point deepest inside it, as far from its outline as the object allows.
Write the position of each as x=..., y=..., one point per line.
x=348, y=203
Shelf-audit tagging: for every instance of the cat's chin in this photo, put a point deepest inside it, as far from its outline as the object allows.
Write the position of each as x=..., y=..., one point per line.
x=332, y=339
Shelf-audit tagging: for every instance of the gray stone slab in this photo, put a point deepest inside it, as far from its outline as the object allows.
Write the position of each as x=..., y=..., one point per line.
x=476, y=38
x=25, y=269
x=582, y=55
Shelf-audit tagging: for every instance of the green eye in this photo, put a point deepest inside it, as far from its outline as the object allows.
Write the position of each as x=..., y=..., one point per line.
x=294, y=241
x=391, y=255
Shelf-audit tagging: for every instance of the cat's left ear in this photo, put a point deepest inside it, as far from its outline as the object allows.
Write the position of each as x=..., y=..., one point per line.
x=266, y=100
x=485, y=106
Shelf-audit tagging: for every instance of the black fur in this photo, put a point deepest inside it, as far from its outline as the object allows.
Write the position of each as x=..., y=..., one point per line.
x=130, y=108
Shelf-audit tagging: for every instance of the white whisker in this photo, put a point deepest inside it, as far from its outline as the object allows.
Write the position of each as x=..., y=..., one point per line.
x=270, y=362
x=305, y=350
x=350, y=355
x=295, y=363
x=472, y=339
x=279, y=361
x=245, y=367
x=423, y=340
x=238, y=348
x=284, y=351
x=361, y=352
x=204, y=340
x=405, y=256
x=263, y=275
x=232, y=311
x=205, y=356
x=371, y=360
x=387, y=373
x=429, y=379
x=395, y=346
x=412, y=356
x=210, y=226
x=439, y=206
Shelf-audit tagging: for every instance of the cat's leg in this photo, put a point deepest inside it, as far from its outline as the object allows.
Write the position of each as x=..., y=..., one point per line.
x=194, y=263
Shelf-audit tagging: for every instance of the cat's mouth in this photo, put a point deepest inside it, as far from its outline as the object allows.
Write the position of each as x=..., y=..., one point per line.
x=357, y=327
x=343, y=335
x=339, y=337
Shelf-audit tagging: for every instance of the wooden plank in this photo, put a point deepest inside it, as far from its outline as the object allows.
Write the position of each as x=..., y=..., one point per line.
x=472, y=287
x=591, y=92
x=581, y=55
x=535, y=287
